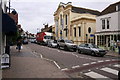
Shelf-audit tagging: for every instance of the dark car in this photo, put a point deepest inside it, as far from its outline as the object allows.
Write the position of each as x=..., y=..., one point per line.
x=67, y=45
x=91, y=49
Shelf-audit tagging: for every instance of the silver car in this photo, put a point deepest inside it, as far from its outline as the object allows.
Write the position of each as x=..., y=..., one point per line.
x=91, y=49
x=52, y=43
x=67, y=45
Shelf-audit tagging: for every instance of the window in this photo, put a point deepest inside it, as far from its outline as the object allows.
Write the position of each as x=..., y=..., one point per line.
x=70, y=30
x=79, y=31
x=108, y=24
x=66, y=31
x=103, y=24
x=89, y=30
x=61, y=20
x=75, y=32
x=66, y=19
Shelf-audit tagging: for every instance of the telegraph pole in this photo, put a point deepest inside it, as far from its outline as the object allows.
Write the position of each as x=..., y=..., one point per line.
x=9, y=6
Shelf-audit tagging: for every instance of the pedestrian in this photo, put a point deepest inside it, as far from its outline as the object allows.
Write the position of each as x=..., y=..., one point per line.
x=19, y=44
x=118, y=44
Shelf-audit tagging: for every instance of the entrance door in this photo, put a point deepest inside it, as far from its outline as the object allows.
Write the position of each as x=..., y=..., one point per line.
x=107, y=41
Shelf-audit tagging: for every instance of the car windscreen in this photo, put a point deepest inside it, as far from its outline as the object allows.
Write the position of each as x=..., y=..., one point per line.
x=68, y=41
x=93, y=46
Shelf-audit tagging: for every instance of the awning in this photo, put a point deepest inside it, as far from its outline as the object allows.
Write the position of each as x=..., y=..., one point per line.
x=8, y=25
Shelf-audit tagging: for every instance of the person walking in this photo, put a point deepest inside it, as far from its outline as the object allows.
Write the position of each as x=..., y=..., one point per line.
x=19, y=44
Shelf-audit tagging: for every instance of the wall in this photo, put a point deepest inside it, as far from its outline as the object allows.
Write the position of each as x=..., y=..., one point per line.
x=119, y=20
x=113, y=22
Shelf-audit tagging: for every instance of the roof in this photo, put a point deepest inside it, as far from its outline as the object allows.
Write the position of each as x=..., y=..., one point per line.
x=111, y=8
x=84, y=10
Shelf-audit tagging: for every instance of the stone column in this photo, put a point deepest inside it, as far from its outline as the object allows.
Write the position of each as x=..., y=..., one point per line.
x=96, y=39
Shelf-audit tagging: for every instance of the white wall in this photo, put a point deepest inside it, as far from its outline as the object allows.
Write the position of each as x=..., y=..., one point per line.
x=119, y=20
x=113, y=22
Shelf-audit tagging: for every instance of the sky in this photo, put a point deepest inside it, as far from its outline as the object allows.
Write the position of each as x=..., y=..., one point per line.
x=34, y=13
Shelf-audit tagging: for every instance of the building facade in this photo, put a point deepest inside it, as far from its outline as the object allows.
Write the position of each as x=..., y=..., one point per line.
x=75, y=23
x=108, y=26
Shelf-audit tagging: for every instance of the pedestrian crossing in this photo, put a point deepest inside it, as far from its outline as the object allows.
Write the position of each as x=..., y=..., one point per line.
x=109, y=70
x=107, y=73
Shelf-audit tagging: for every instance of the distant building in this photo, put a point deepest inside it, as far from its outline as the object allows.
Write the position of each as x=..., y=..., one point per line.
x=14, y=16
x=46, y=28
x=75, y=23
x=108, y=25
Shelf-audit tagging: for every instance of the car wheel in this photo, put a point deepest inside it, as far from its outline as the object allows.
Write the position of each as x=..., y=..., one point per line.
x=93, y=53
x=79, y=51
x=58, y=46
x=74, y=50
x=65, y=48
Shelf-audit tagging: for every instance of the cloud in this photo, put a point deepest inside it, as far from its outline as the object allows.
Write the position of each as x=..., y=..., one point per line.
x=34, y=13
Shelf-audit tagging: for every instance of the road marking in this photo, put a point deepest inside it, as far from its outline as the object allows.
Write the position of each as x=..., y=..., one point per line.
x=117, y=65
x=57, y=65
x=75, y=66
x=64, y=69
x=93, y=62
x=77, y=56
x=86, y=64
x=114, y=60
x=97, y=68
x=74, y=55
x=58, y=50
x=96, y=76
x=101, y=61
x=110, y=70
x=41, y=55
x=107, y=60
x=81, y=57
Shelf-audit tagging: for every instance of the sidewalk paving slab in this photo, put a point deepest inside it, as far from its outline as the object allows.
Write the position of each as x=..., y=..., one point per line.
x=26, y=65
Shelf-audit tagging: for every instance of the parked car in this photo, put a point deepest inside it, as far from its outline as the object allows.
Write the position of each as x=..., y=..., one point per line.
x=67, y=45
x=25, y=41
x=91, y=49
x=52, y=43
x=33, y=40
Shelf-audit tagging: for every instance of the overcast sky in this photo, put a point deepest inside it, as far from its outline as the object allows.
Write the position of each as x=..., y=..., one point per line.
x=34, y=13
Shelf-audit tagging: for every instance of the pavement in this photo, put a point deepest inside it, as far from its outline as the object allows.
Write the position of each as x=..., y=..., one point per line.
x=112, y=53
x=25, y=64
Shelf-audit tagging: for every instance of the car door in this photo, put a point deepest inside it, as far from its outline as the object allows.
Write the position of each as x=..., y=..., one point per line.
x=81, y=47
x=86, y=48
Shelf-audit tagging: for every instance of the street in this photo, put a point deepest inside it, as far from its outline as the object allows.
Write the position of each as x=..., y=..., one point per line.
x=78, y=65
